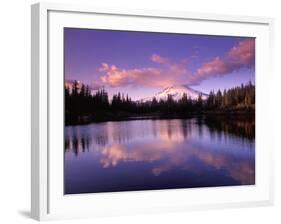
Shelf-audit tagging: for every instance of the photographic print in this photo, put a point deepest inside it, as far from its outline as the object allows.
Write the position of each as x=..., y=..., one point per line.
x=154, y=111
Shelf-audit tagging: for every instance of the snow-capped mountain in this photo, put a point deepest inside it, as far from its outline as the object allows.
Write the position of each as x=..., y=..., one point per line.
x=177, y=93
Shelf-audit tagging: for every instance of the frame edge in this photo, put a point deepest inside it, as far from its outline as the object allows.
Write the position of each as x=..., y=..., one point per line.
x=35, y=176
x=39, y=144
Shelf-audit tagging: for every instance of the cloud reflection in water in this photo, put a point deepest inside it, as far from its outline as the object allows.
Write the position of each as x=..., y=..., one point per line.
x=165, y=146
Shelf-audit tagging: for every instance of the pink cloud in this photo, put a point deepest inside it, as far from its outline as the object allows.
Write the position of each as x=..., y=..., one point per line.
x=244, y=52
x=159, y=59
x=169, y=75
x=240, y=56
x=215, y=66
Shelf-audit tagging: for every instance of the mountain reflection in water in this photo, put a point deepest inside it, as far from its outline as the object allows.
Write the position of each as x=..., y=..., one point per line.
x=159, y=154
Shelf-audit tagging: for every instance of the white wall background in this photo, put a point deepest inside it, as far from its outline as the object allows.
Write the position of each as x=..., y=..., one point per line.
x=15, y=111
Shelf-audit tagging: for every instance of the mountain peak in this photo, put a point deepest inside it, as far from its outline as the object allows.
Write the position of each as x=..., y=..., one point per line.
x=177, y=93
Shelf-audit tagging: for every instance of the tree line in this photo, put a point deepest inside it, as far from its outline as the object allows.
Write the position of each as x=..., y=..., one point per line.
x=83, y=106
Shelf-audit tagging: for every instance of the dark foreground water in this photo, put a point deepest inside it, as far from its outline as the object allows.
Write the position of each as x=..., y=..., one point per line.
x=159, y=154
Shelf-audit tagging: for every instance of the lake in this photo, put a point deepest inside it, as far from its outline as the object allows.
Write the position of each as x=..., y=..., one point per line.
x=159, y=154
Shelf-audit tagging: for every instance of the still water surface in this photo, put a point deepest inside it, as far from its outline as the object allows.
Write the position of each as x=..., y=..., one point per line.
x=159, y=154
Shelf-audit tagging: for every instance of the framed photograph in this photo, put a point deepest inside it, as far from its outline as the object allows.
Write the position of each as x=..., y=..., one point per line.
x=137, y=111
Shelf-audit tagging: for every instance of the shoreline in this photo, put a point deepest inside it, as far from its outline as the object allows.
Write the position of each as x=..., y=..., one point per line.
x=84, y=120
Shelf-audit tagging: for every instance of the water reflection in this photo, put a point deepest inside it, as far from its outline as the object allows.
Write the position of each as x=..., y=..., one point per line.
x=77, y=142
x=195, y=152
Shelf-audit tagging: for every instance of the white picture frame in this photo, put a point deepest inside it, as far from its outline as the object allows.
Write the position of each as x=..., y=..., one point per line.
x=48, y=201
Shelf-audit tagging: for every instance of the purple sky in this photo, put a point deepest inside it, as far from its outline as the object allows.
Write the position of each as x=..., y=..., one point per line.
x=142, y=63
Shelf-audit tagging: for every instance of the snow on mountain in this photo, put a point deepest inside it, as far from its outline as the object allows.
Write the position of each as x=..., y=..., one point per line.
x=177, y=93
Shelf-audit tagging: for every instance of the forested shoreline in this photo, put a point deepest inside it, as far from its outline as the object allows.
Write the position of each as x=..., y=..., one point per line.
x=83, y=107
